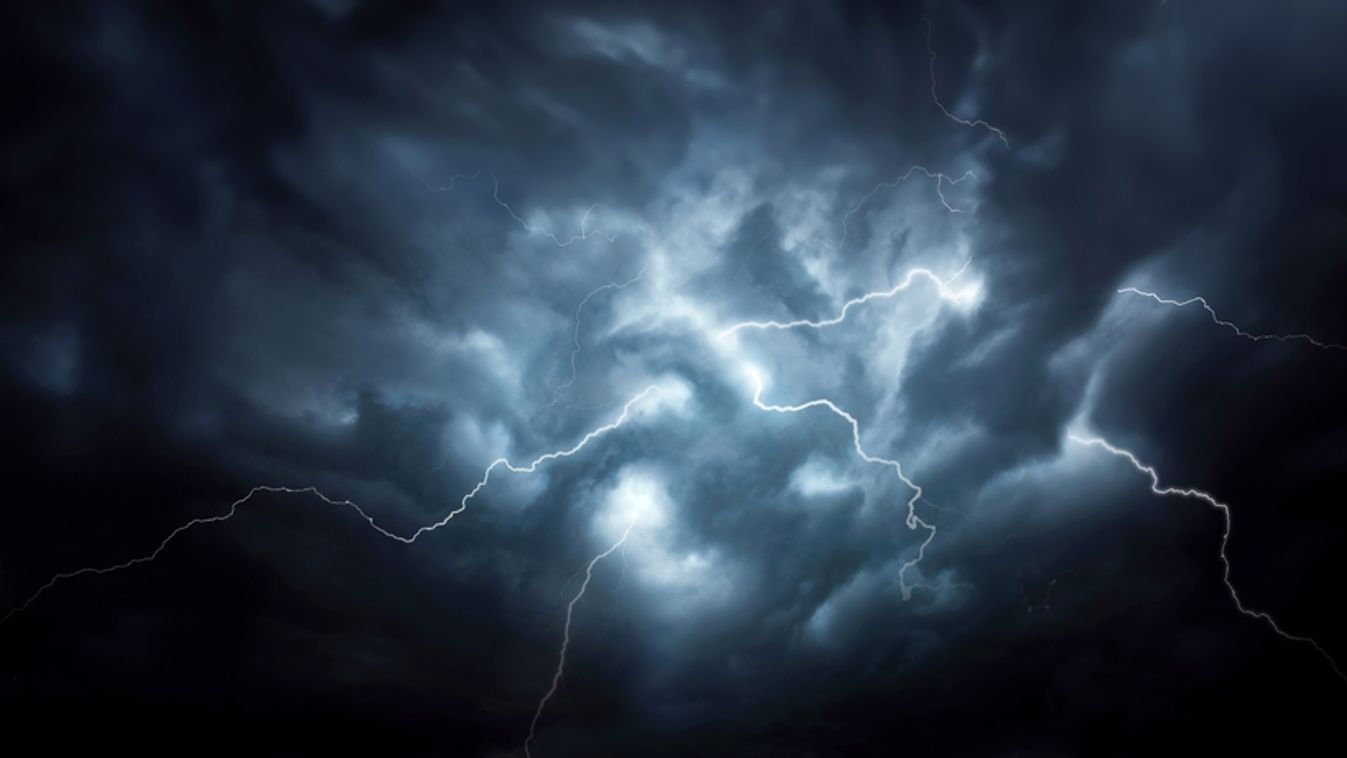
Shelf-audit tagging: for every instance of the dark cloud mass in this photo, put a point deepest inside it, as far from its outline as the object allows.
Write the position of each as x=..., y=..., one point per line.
x=370, y=247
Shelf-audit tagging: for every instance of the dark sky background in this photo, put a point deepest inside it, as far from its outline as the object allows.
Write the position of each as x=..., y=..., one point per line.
x=248, y=244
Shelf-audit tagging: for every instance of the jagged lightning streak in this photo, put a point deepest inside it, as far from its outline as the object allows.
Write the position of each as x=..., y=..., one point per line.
x=942, y=287
x=975, y=124
x=566, y=635
x=939, y=178
x=228, y=514
x=575, y=336
x=913, y=521
x=1232, y=327
x=233, y=508
x=529, y=468
x=1197, y=494
x=585, y=231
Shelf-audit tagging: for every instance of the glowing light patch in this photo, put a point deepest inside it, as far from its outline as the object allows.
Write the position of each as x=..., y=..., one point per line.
x=687, y=581
x=491, y=354
x=817, y=478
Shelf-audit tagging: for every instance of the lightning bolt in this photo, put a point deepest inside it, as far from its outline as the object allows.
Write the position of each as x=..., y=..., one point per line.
x=913, y=521
x=233, y=508
x=939, y=178
x=228, y=514
x=1232, y=327
x=566, y=636
x=934, y=96
x=942, y=287
x=1197, y=494
x=585, y=231
x=575, y=337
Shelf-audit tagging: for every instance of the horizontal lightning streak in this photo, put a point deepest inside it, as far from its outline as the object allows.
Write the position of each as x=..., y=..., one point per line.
x=1232, y=327
x=229, y=513
x=566, y=635
x=585, y=232
x=913, y=521
x=1197, y=494
x=942, y=287
x=965, y=122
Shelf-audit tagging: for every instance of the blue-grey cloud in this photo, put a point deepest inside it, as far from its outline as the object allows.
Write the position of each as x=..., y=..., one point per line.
x=343, y=244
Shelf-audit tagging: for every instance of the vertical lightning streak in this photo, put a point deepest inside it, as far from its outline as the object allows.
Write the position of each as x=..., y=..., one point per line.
x=913, y=521
x=566, y=636
x=965, y=122
x=1232, y=327
x=1197, y=494
x=575, y=336
x=233, y=508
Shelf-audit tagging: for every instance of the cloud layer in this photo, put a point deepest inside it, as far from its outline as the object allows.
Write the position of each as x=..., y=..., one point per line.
x=373, y=247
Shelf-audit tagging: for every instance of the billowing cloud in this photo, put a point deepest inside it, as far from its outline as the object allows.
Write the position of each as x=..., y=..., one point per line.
x=372, y=248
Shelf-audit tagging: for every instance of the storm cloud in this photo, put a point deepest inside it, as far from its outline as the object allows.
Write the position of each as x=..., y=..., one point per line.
x=373, y=247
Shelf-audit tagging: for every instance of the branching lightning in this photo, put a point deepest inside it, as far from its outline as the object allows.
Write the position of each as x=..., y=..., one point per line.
x=947, y=292
x=575, y=337
x=585, y=231
x=934, y=96
x=1197, y=494
x=1232, y=327
x=913, y=521
x=566, y=635
x=229, y=513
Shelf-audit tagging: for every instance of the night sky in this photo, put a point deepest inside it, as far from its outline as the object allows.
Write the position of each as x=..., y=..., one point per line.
x=373, y=248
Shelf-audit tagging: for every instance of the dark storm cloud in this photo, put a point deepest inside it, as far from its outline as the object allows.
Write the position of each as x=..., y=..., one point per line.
x=251, y=244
